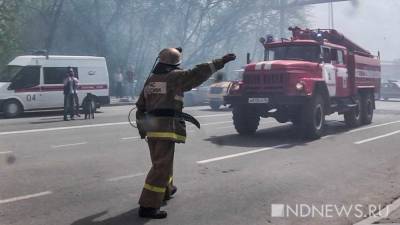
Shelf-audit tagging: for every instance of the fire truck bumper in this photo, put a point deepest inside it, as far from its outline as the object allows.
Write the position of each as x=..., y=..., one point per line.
x=266, y=100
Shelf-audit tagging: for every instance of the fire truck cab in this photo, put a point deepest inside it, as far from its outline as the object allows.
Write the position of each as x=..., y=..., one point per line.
x=314, y=74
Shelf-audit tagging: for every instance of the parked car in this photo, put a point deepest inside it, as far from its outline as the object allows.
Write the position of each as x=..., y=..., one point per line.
x=216, y=94
x=220, y=88
x=390, y=89
x=196, y=96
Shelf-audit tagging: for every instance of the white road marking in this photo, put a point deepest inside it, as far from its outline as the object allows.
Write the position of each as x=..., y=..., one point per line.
x=384, y=213
x=377, y=137
x=7, y=152
x=126, y=177
x=214, y=123
x=231, y=126
x=327, y=136
x=241, y=154
x=25, y=197
x=214, y=115
x=87, y=126
x=68, y=145
x=62, y=128
x=370, y=127
x=130, y=138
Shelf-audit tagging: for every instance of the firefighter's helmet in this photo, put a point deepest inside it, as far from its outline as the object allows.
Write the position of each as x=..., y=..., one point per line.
x=170, y=56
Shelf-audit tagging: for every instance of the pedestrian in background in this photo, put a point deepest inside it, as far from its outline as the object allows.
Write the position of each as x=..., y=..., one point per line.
x=119, y=79
x=130, y=77
x=76, y=98
x=69, y=93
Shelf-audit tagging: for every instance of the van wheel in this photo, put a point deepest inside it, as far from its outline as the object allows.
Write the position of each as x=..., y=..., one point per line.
x=12, y=108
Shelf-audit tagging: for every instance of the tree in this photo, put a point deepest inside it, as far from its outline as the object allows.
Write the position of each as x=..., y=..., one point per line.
x=8, y=32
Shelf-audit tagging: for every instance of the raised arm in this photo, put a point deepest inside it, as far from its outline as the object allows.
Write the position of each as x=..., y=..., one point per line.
x=192, y=78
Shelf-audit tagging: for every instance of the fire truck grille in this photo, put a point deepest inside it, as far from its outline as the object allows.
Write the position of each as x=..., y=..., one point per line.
x=264, y=82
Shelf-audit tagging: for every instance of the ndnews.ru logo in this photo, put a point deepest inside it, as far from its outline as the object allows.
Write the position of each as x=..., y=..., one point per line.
x=327, y=210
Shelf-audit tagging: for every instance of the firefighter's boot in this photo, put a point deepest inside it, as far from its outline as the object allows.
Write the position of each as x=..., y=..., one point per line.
x=152, y=213
x=167, y=197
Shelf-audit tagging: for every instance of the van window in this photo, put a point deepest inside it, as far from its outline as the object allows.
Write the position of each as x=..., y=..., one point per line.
x=28, y=77
x=56, y=75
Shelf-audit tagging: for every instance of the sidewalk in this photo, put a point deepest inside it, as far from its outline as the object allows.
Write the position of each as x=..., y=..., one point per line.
x=393, y=218
x=114, y=101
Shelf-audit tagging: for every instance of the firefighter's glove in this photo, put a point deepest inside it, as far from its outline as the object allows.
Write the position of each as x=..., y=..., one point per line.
x=228, y=57
x=140, y=116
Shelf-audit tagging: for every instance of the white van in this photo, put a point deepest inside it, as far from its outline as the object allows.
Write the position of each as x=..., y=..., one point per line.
x=35, y=82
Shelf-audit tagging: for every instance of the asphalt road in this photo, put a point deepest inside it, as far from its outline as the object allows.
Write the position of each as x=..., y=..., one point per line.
x=91, y=172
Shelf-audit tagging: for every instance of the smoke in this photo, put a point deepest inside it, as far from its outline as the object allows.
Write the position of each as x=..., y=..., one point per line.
x=354, y=9
x=10, y=159
x=355, y=3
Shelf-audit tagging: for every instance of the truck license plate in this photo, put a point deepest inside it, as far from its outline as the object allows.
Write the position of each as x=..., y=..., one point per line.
x=258, y=100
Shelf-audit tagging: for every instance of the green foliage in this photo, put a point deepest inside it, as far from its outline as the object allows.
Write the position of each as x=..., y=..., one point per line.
x=132, y=32
x=8, y=32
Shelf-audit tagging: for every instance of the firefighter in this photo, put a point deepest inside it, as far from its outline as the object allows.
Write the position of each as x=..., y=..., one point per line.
x=160, y=120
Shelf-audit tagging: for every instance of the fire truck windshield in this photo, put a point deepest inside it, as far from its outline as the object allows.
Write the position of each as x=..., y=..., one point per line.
x=293, y=52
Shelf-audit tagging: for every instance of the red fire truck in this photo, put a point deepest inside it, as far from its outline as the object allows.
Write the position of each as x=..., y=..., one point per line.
x=314, y=74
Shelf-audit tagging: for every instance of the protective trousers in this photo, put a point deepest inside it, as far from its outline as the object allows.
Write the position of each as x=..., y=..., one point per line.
x=158, y=184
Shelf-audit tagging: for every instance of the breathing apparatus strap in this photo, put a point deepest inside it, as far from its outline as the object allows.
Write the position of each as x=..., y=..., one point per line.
x=172, y=113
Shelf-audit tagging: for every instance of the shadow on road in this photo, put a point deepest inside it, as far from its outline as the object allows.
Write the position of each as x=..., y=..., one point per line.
x=274, y=136
x=127, y=218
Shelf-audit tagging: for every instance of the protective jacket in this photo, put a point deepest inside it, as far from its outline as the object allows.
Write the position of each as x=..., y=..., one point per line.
x=161, y=100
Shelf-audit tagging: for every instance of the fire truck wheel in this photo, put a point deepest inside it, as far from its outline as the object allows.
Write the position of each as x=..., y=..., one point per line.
x=313, y=122
x=12, y=108
x=367, y=108
x=245, y=120
x=352, y=118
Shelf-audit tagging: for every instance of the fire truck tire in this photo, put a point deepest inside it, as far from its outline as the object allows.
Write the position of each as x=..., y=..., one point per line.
x=352, y=118
x=367, y=108
x=12, y=108
x=313, y=118
x=245, y=120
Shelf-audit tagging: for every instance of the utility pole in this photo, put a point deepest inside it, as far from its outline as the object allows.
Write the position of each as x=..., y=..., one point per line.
x=282, y=17
x=286, y=4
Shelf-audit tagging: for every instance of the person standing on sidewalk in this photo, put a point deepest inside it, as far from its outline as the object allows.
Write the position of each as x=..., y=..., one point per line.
x=69, y=93
x=160, y=120
x=130, y=77
x=119, y=79
x=76, y=98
